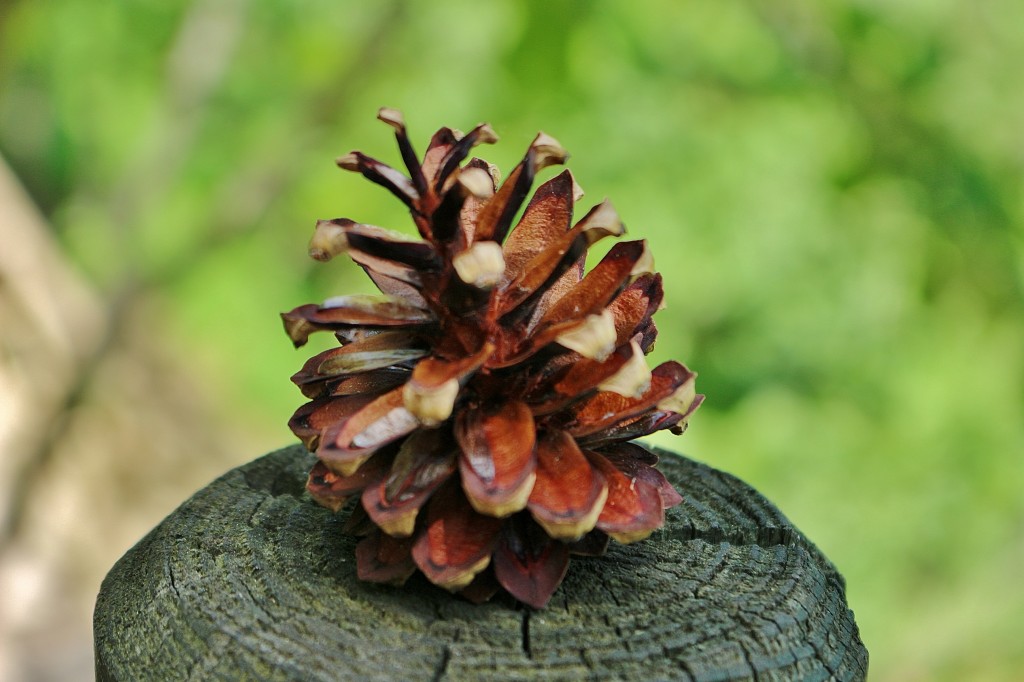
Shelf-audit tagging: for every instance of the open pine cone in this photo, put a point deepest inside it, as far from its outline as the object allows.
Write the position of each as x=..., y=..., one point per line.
x=482, y=408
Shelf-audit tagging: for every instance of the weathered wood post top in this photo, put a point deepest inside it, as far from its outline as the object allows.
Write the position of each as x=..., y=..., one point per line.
x=251, y=580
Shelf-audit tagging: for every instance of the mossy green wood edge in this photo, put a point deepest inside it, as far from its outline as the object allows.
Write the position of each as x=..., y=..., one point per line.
x=249, y=579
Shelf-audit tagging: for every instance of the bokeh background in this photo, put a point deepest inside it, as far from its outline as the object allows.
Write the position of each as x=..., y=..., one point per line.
x=832, y=189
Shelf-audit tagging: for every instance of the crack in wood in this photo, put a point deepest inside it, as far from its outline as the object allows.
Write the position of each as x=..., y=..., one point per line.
x=750, y=662
x=442, y=666
x=525, y=635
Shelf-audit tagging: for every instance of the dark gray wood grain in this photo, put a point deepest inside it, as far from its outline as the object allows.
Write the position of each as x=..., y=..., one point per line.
x=249, y=579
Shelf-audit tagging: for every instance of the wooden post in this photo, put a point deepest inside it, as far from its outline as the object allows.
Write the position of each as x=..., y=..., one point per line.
x=249, y=579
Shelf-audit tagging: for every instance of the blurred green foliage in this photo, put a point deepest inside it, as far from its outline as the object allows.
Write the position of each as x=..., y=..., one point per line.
x=833, y=191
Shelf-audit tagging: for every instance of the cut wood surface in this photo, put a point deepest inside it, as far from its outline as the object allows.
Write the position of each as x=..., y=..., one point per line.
x=249, y=579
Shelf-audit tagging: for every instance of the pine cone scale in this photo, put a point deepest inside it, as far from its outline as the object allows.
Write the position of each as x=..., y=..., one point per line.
x=497, y=459
x=569, y=493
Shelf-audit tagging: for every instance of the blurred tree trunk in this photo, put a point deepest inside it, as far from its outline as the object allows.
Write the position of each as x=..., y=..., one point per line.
x=52, y=322
x=93, y=416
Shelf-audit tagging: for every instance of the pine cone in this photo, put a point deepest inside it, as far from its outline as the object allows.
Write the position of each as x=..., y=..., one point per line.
x=482, y=408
